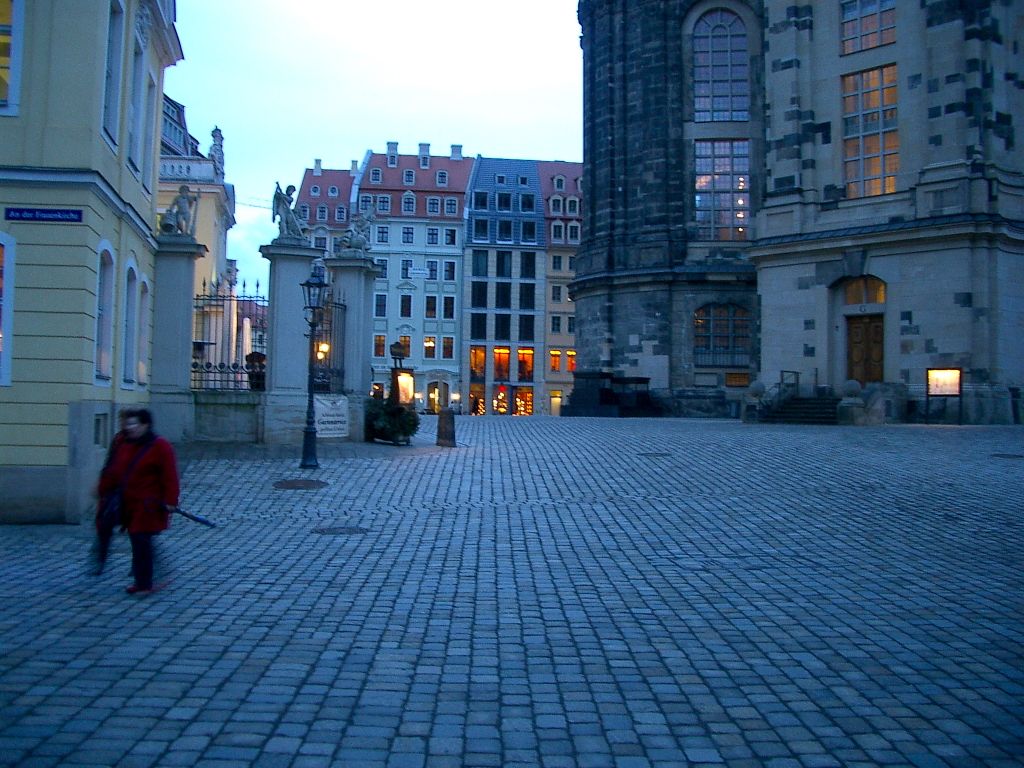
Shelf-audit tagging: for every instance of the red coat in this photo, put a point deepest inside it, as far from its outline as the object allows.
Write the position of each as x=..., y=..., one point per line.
x=150, y=488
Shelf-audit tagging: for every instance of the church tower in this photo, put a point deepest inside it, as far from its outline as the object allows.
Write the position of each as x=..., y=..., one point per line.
x=673, y=141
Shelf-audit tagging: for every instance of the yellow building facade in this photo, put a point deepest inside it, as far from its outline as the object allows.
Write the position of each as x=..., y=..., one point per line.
x=80, y=109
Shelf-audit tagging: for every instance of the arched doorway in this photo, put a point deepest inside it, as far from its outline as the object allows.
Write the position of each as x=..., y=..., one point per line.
x=437, y=395
x=863, y=308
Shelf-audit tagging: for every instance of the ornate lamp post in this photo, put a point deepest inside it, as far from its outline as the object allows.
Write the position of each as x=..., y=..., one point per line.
x=314, y=290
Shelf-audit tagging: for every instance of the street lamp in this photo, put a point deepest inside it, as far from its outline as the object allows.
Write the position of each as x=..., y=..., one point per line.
x=314, y=291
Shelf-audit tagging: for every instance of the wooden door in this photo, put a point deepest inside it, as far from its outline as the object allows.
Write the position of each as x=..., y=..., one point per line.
x=865, y=345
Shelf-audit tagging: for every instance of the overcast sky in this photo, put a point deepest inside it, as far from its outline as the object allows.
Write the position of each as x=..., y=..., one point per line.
x=331, y=79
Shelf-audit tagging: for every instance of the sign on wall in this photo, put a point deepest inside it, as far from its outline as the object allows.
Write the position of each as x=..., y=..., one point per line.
x=48, y=215
x=331, y=415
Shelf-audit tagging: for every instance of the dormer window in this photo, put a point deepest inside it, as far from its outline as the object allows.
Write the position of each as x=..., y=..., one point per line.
x=442, y=178
x=572, y=206
x=524, y=181
x=560, y=183
x=314, y=191
x=392, y=161
x=332, y=191
x=376, y=175
x=499, y=178
x=409, y=176
x=424, y=161
x=556, y=205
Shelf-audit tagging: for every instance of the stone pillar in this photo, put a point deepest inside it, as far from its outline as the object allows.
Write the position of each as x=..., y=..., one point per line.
x=287, y=339
x=170, y=385
x=352, y=275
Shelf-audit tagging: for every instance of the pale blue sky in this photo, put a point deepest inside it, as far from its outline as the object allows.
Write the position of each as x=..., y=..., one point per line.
x=334, y=78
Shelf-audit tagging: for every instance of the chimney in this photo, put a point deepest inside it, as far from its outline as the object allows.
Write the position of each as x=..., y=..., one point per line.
x=317, y=170
x=456, y=151
x=354, y=169
x=392, y=154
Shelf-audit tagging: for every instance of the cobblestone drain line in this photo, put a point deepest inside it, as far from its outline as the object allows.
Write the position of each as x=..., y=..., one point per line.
x=500, y=612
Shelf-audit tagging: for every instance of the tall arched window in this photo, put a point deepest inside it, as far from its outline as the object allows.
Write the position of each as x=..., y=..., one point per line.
x=105, y=315
x=131, y=311
x=142, y=356
x=721, y=68
x=721, y=336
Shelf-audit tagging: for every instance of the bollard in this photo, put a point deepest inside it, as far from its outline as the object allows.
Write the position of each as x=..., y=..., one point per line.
x=446, y=428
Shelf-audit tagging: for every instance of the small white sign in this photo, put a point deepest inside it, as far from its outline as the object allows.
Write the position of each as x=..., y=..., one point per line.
x=418, y=272
x=331, y=415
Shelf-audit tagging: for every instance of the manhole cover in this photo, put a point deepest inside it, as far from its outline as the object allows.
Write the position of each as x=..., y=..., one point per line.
x=1007, y=456
x=300, y=484
x=340, y=530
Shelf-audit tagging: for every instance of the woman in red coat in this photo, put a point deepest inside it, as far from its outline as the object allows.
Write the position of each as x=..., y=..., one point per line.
x=144, y=467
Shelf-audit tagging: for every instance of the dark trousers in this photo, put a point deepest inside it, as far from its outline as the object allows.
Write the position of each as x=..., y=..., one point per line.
x=142, y=559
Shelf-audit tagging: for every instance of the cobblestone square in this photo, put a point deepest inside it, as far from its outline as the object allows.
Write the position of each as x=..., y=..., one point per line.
x=552, y=592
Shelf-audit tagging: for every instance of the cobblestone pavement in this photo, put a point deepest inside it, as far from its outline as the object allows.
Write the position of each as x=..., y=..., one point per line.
x=553, y=592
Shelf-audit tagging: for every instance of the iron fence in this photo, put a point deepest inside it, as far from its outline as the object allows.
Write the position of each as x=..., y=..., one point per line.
x=329, y=367
x=229, y=340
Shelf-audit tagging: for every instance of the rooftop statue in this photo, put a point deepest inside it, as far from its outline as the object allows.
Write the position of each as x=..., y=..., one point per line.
x=180, y=216
x=288, y=223
x=357, y=237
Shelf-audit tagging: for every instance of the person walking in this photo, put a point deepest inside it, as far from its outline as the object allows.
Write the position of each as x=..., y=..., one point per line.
x=143, y=469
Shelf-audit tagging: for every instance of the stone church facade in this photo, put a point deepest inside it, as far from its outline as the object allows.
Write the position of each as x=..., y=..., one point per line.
x=825, y=192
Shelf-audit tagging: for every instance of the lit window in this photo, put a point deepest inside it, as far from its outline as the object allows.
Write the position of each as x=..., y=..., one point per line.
x=864, y=290
x=430, y=346
x=722, y=189
x=525, y=364
x=501, y=356
x=570, y=360
x=554, y=360
x=868, y=24
x=721, y=336
x=721, y=64
x=378, y=345
x=871, y=142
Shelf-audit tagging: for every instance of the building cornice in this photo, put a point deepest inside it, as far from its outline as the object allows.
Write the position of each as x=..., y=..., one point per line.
x=78, y=178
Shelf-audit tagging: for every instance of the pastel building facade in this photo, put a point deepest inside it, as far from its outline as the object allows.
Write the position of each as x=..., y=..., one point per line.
x=562, y=191
x=414, y=205
x=80, y=107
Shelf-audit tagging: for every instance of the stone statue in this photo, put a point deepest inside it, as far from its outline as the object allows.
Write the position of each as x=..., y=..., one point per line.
x=287, y=221
x=180, y=216
x=357, y=237
x=217, y=153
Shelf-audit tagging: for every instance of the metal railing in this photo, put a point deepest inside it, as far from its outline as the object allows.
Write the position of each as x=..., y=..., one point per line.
x=229, y=340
